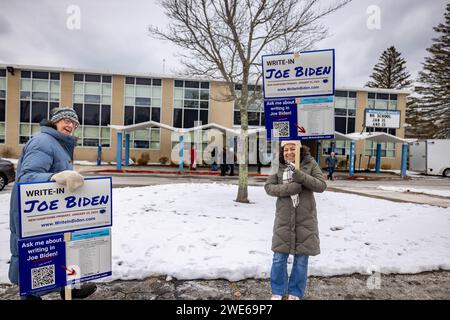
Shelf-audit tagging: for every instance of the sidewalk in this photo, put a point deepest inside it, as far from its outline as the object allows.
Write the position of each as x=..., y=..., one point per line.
x=252, y=170
x=426, y=285
x=405, y=197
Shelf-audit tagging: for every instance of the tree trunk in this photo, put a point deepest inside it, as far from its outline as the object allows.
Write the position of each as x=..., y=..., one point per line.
x=242, y=195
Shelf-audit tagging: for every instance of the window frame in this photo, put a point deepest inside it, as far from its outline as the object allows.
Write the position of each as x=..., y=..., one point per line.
x=150, y=108
x=34, y=127
x=371, y=103
x=80, y=133
x=340, y=94
x=258, y=101
x=384, y=150
x=179, y=104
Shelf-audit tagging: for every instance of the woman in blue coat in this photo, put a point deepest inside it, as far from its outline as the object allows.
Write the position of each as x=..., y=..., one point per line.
x=46, y=156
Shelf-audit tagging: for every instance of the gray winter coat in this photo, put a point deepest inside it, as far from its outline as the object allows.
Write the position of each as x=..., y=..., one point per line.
x=295, y=230
x=44, y=155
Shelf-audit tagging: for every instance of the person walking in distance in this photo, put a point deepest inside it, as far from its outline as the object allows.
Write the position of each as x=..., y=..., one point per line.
x=331, y=162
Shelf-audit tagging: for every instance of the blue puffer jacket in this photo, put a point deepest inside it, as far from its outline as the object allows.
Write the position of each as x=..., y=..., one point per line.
x=44, y=155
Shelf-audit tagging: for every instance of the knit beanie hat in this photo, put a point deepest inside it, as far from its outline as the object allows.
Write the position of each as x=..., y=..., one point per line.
x=296, y=142
x=64, y=113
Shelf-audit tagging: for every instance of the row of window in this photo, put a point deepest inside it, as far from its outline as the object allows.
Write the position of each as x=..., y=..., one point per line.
x=382, y=101
x=92, y=97
x=342, y=148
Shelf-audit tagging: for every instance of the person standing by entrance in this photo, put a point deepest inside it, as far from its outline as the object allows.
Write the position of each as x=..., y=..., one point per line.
x=193, y=163
x=331, y=162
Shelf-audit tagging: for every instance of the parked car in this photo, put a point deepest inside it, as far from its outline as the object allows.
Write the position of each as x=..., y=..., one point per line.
x=7, y=173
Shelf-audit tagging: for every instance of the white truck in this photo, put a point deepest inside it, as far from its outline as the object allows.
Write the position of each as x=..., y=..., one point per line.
x=430, y=156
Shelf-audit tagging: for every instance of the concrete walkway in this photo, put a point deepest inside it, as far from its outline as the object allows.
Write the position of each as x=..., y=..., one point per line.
x=407, y=197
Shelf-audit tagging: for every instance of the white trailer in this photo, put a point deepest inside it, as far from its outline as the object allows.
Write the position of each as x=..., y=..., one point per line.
x=430, y=157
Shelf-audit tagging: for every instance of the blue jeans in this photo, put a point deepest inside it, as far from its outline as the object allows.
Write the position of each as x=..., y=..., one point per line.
x=279, y=280
x=330, y=172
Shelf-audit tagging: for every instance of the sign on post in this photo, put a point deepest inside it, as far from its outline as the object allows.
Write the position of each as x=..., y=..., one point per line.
x=377, y=118
x=300, y=118
x=48, y=207
x=61, y=239
x=308, y=73
x=299, y=95
x=88, y=255
x=42, y=264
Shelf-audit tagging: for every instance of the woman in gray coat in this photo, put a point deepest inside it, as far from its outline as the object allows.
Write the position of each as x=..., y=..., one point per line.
x=295, y=228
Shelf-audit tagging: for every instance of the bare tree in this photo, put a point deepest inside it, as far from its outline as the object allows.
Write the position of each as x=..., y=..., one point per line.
x=225, y=39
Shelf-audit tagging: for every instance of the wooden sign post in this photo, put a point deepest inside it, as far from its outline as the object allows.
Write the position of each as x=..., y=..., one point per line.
x=297, y=155
x=67, y=288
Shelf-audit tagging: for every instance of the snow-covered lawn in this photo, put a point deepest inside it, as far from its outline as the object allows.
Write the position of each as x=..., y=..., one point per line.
x=197, y=231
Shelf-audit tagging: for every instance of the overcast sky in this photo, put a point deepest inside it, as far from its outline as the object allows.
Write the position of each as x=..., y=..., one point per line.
x=112, y=35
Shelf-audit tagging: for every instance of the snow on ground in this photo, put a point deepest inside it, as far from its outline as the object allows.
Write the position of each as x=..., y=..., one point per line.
x=442, y=193
x=197, y=231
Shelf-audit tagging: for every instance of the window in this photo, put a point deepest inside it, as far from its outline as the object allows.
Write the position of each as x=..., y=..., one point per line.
x=39, y=94
x=341, y=147
x=142, y=101
x=255, y=109
x=145, y=139
x=383, y=101
x=387, y=149
x=391, y=131
x=92, y=95
x=191, y=103
x=203, y=136
x=344, y=111
x=2, y=104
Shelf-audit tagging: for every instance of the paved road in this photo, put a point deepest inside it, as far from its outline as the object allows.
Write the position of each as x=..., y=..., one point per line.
x=426, y=285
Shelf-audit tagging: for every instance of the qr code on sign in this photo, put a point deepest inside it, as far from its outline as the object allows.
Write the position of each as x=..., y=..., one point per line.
x=43, y=276
x=281, y=129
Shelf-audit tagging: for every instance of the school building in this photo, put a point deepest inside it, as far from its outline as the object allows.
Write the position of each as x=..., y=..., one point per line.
x=101, y=99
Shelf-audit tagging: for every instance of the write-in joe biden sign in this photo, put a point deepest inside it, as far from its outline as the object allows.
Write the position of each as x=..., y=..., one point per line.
x=289, y=75
x=48, y=207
